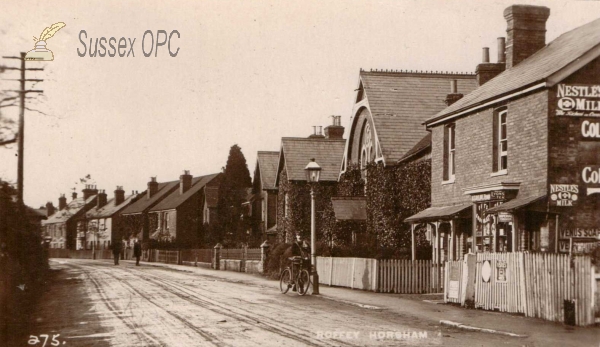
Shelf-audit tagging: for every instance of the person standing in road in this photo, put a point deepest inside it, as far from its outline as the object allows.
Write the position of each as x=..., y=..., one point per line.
x=137, y=251
x=116, y=249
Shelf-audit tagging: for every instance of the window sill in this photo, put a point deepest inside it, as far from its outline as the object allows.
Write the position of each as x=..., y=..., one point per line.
x=450, y=181
x=499, y=173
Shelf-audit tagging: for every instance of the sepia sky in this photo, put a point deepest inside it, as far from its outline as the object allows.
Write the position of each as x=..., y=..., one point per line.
x=247, y=73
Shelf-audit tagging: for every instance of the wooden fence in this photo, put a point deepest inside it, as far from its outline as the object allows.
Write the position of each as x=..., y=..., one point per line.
x=387, y=276
x=535, y=284
x=197, y=255
x=408, y=276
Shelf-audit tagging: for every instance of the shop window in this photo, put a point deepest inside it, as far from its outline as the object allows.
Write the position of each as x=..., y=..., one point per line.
x=500, y=145
x=449, y=152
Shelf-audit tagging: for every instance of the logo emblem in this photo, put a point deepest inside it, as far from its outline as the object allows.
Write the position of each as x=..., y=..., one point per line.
x=40, y=52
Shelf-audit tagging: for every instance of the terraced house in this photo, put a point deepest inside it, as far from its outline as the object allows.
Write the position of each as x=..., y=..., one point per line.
x=104, y=223
x=61, y=227
x=180, y=216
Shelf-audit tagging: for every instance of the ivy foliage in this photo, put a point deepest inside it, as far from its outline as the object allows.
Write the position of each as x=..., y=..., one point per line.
x=393, y=194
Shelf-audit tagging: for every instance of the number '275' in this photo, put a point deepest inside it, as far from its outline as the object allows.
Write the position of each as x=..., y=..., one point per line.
x=34, y=340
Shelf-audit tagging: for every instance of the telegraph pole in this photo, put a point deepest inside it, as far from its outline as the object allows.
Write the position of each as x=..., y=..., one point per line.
x=21, y=135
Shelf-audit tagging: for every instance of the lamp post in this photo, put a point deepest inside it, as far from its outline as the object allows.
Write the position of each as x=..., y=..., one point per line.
x=313, y=173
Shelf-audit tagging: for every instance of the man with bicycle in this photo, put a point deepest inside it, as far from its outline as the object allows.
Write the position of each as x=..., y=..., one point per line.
x=300, y=249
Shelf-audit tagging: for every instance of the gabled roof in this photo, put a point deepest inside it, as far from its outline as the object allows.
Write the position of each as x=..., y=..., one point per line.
x=142, y=204
x=267, y=162
x=556, y=61
x=174, y=199
x=72, y=209
x=296, y=153
x=399, y=103
x=212, y=196
x=422, y=145
x=110, y=208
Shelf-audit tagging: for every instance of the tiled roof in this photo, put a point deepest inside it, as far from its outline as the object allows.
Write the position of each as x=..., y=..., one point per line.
x=110, y=208
x=144, y=203
x=71, y=210
x=175, y=199
x=420, y=146
x=212, y=196
x=350, y=208
x=267, y=164
x=555, y=56
x=400, y=102
x=297, y=153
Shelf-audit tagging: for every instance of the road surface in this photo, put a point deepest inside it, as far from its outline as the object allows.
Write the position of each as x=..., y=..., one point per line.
x=106, y=305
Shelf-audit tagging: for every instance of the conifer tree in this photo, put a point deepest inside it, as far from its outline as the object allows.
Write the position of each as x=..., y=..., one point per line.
x=232, y=194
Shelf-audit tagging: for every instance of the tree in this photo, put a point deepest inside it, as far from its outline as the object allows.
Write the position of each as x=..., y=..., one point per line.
x=232, y=194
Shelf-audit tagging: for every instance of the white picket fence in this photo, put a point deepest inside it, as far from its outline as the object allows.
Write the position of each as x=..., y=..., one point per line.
x=388, y=276
x=536, y=285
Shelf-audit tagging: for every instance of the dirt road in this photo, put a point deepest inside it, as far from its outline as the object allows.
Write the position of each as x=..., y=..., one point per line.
x=153, y=306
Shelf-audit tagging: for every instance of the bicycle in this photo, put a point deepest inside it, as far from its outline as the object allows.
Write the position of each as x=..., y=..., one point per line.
x=301, y=279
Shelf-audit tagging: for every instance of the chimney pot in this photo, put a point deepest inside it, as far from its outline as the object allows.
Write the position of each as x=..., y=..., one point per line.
x=501, y=50
x=74, y=195
x=486, y=55
x=454, y=95
x=336, y=130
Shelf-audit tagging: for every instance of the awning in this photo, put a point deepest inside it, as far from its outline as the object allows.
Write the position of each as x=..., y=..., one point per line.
x=438, y=213
x=517, y=203
x=350, y=208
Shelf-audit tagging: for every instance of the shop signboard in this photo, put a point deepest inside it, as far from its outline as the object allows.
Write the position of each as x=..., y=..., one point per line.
x=563, y=194
x=583, y=240
x=590, y=178
x=454, y=280
x=578, y=100
x=505, y=217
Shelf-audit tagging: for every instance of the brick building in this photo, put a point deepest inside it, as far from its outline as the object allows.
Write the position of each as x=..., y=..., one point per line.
x=135, y=216
x=61, y=227
x=104, y=223
x=515, y=163
x=264, y=200
x=179, y=217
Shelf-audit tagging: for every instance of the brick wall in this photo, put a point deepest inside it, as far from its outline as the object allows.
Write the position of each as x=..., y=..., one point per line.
x=527, y=134
x=566, y=166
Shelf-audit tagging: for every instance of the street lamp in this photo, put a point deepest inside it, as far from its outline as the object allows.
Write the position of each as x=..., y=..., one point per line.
x=313, y=173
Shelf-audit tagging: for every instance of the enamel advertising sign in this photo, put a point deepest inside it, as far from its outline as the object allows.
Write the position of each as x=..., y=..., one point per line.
x=578, y=100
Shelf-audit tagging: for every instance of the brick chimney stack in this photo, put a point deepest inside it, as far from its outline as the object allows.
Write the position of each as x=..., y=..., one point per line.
x=49, y=209
x=454, y=95
x=119, y=195
x=90, y=190
x=74, y=195
x=335, y=130
x=102, y=198
x=62, y=202
x=152, y=187
x=185, y=181
x=526, y=32
x=486, y=70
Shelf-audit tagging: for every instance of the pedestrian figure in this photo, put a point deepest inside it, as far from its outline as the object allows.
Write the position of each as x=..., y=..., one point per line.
x=116, y=248
x=137, y=251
